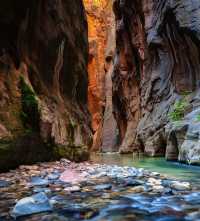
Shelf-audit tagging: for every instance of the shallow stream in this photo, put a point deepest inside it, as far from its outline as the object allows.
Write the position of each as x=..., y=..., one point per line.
x=108, y=193
x=172, y=169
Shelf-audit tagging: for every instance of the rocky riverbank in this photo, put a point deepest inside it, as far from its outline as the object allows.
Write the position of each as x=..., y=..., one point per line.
x=67, y=191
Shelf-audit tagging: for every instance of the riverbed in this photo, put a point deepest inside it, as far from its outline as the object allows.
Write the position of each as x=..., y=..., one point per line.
x=113, y=188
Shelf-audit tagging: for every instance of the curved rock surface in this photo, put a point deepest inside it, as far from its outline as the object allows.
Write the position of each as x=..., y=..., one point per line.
x=157, y=63
x=43, y=81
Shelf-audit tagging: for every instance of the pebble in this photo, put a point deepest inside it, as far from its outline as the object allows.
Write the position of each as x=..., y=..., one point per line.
x=4, y=183
x=103, y=187
x=180, y=185
x=138, y=189
x=73, y=189
x=38, y=181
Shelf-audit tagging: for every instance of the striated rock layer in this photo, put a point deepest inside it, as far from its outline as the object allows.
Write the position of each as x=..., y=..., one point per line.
x=101, y=50
x=43, y=81
x=157, y=63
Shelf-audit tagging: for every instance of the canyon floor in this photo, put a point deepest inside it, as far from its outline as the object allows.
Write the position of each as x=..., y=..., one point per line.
x=67, y=191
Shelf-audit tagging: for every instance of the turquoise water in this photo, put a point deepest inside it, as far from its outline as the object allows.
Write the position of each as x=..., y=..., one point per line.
x=160, y=165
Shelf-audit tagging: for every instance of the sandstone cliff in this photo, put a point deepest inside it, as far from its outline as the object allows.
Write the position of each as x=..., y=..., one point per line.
x=43, y=81
x=156, y=73
x=101, y=50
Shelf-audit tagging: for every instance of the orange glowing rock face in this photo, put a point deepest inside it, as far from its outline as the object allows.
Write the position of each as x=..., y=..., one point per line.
x=98, y=15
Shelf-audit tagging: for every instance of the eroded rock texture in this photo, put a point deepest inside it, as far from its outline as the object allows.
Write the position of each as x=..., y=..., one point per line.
x=101, y=47
x=43, y=81
x=157, y=62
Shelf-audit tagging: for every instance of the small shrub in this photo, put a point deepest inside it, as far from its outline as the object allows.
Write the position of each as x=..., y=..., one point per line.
x=30, y=110
x=198, y=117
x=178, y=111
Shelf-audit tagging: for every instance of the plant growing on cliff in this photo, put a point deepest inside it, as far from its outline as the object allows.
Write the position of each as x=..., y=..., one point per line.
x=198, y=117
x=178, y=110
x=30, y=110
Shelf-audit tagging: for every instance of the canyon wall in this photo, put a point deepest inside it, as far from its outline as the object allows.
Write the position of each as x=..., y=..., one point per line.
x=156, y=77
x=43, y=82
x=101, y=31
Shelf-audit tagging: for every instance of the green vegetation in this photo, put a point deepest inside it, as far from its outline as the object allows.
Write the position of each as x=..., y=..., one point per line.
x=198, y=117
x=178, y=111
x=30, y=109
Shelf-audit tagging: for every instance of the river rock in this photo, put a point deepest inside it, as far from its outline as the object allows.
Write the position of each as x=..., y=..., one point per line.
x=138, y=189
x=34, y=204
x=152, y=181
x=38, y=181
x=103, y=187
x=4, y=183
x=180, y=185
x=73, y=189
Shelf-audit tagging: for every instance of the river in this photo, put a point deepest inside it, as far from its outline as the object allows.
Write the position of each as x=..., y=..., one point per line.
x=181, y=171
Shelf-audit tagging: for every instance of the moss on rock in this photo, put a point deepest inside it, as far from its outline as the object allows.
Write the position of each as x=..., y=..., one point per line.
x=73, y=153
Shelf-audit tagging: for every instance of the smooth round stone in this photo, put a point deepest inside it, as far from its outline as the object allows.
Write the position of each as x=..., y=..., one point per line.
x=158, y=188
x=40, y=189
x=53, y=176
x=73, y=189
x=38, y=181
x=103, y=187
x=30, y=205
x=138, y=189
x=132, y=182
x=181, y=186
x=153, y=181
x=4, y=183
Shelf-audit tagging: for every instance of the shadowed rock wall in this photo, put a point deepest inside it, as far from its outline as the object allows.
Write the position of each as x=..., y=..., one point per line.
x=157, y=63
x=43, y=81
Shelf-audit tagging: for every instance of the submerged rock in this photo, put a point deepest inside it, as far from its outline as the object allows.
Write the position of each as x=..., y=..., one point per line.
x=38, y=181
x=103, y=187
x=34, y=204
x=73, y=189
x=4, y=183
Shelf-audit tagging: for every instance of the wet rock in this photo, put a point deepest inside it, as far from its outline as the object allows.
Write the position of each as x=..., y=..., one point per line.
x=132, y=182
x=4, y=183
x=53, y=176
x=180, y=185
x=158, y=188
x=103, y=187
x=138, y=189
x=153, y=181
x=73, y=189
x=38, y=181
x=40, y=189
x=193, y=198
x=35, y=204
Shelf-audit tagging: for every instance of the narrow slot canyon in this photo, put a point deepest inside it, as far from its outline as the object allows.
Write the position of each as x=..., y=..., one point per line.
x=101, y=34
x=99, y=110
